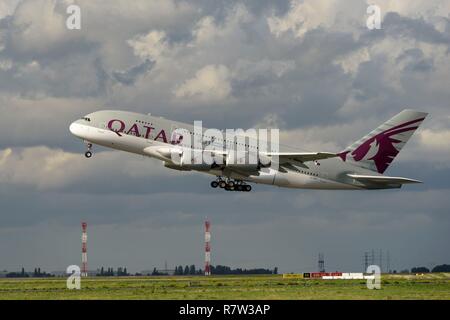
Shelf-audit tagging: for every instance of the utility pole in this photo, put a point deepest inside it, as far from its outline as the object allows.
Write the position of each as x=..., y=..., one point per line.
x=207, y=248
x=84, y=268
x=366, y=261
x=321, y=263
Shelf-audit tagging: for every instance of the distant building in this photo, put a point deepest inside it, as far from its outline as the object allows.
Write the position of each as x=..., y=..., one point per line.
x=58, y=273
x=169, y=272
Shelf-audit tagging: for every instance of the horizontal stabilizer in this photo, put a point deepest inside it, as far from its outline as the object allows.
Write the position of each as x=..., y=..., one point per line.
x=382, y=179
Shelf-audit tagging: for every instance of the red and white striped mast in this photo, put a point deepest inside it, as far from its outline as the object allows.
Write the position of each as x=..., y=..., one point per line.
x=84, y=270
x=207, y=248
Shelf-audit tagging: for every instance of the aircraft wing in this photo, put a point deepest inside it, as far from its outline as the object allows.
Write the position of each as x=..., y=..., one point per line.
x=285, y=157
x=382, y=179
x=242, y=172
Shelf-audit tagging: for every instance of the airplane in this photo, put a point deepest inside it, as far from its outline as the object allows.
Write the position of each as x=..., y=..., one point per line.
x=361, y=166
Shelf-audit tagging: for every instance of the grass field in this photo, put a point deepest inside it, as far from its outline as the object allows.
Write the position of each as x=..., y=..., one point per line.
x=431, y=286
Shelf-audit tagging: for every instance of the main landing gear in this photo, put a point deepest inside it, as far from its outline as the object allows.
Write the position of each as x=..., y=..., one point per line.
x=231, y=185
x=88, y=153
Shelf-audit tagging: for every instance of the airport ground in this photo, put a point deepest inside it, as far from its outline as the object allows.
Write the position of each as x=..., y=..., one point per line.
x=273, y=287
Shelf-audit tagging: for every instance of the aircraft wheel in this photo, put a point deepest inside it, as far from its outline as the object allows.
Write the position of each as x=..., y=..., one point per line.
x=231, y=184
x=222, y=184
x=248, y=188
x=214, y=184
x=238, y=188
x=88, y=154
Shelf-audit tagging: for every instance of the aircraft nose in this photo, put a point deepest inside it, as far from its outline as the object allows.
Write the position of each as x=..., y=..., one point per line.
x=75, y=129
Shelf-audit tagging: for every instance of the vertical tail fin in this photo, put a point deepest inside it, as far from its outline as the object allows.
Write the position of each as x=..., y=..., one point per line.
x=378, y=149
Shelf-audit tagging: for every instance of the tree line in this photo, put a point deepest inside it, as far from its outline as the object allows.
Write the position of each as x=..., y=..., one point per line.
x=187, y=270
x=227, y=270
x=23, y=274
x=219, y=270
x=439, y=268
x=109, y=272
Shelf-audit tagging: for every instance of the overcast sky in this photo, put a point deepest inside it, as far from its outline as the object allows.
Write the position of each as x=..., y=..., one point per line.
x=311, y=68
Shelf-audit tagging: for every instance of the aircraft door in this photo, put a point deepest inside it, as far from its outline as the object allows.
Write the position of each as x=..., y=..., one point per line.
x=178, y=135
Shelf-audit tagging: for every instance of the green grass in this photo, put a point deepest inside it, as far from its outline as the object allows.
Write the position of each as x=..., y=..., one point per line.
x=432, y=286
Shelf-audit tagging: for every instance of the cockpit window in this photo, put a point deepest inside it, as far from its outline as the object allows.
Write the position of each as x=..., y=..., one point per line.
x=87, y=119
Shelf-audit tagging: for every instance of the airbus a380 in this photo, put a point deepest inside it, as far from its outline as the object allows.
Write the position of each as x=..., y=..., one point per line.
x=360, y=166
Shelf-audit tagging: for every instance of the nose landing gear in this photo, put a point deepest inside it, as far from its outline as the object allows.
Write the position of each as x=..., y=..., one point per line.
x=231, y=185
x=88, y=153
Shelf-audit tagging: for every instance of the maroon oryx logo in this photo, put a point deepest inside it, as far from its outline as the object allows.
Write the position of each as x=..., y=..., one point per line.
x=385, y=142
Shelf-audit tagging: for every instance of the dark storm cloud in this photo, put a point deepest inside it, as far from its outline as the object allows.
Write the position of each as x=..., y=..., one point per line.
x=400, y=26
x=415, y=61
x=130, y=76
x=82, y=76
x=168, y=206
x=19, y=33
x=306, y=218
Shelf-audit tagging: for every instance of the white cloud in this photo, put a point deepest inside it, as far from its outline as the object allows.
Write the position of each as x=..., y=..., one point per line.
x=39, y=167
x=207, y=30
x=120, y=15
x=397, y=72
x=334, y=15
x=111, y=24
x=7, y=7
x=415, y=8
x=351, y=62
x=6, y=64
x=210, y=84
x=271, y=121
x=152, y=46
x=314, y=139
x=350, y=15
x=38, y=27
x=436, y=139
x=303, y=16
x=245, y=69
x=43, y=168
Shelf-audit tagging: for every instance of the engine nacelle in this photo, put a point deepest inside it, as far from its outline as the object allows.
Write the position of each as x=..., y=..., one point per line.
x=163, y=153
x=264, y=161
x=183, y=160
x=187, y=161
